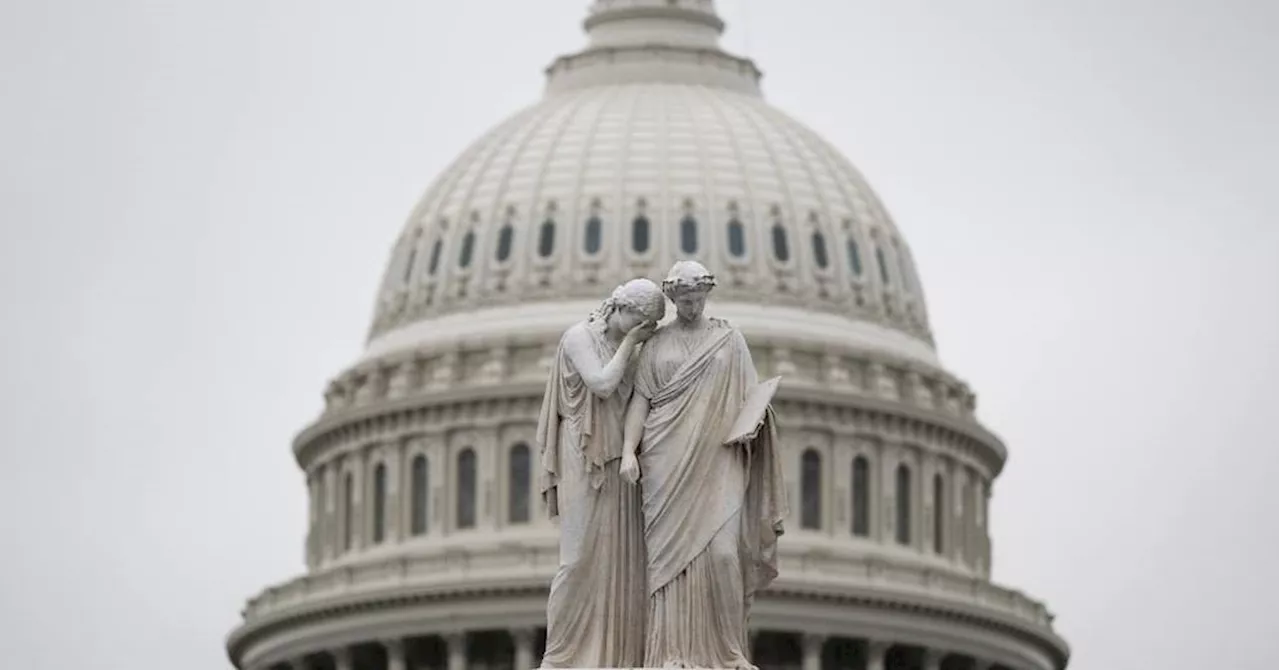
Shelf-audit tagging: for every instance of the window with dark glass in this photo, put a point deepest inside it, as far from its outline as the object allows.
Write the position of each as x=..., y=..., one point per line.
x=466, y=512
x=780, y=249
x=505, y=235
x=737, y=239
x=434, y=263
x=519, y=486
x=861, y=497
x=468, y=247
x=811, y=490
x=546, y=238
x=819, y=250
x=591, y=235
x=418, y=495
x=855, y=261
x=939, y=512
x=903, y=529
x=688, y=235
x=379, y=503
x=778, y=650
x=348, y=512
x=884, y=265
x=640, y=234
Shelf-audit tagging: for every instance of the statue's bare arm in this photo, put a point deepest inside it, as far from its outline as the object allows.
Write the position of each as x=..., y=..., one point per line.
x=633, y=428
x=602, y=380
x=632, y=432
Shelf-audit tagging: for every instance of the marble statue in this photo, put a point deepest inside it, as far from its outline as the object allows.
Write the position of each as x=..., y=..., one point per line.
x=712, y=509
x=595, y=612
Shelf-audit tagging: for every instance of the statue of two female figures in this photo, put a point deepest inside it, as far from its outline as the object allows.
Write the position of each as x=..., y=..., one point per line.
x=661, y=574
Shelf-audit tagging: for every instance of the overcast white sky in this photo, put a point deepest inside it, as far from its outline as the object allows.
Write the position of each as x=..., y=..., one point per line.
x=196, y=201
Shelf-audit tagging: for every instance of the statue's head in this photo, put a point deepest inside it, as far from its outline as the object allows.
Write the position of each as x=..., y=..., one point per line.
x=631, y=304
x=687, y=285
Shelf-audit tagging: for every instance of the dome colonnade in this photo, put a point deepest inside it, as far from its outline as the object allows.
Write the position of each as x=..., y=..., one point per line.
x=426, y=544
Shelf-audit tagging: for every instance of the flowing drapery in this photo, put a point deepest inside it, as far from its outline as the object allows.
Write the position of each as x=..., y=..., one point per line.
x=599, y=584
x=712, y=513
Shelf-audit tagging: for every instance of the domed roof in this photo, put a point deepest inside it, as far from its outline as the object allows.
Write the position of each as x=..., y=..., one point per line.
x=650, y=146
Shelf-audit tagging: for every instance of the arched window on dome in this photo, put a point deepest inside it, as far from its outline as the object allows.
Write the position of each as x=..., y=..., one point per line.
x=640, y=234
x=939, y=513
x=883, y=263
x=466, y=508
x=811, y=490
x=592, y=235
x=861, y=497
x=505, y=237
x=379, y=503
x=547, y=238
x=777, y=649
x=737, y=239
x=903, y=499
x=348, y=512
x=855, y=260
x=520, y=471
x=468, y=248
x=781, y=251
x=819, y=249
x=418, y=482
x=689, y=235
x=434, y=263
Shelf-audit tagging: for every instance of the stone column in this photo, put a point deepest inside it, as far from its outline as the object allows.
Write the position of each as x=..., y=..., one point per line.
x=491, y=470
x=457, y=646
x=811, y=646
x=395, y=654
x=933, y=659
x=876, y=650
x=329, y=541
x=523, y=638
x=299, y=663
x=342, y=659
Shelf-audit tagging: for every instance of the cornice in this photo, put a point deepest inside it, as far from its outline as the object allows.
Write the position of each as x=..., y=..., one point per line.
x=613, y=14
x=797, y=406
x=370, y=602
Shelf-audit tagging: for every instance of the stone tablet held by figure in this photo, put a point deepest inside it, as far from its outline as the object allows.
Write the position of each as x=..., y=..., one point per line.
x=751, y=418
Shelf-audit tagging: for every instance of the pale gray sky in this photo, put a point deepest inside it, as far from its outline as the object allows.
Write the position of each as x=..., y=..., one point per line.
x=196, y=200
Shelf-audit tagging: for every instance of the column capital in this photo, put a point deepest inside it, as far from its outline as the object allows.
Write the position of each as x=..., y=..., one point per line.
x=813, y=640
x=456, y=643
x=933, y=659
x=878, y=648
x=341, y=658
x=395, y=653
x=523, y=639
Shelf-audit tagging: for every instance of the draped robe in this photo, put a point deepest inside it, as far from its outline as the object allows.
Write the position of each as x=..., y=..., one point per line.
x=712, y=512
x=599, y=584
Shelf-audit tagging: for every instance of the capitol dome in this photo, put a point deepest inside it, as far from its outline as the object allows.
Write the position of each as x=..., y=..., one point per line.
x=427, y=545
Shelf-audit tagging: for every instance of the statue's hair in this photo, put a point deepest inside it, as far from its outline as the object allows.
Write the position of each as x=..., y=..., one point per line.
x=641, y=295
x=687, y=276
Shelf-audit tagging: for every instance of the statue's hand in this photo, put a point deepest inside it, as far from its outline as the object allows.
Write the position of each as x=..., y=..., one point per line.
x=642, y=331
x=630, y=468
